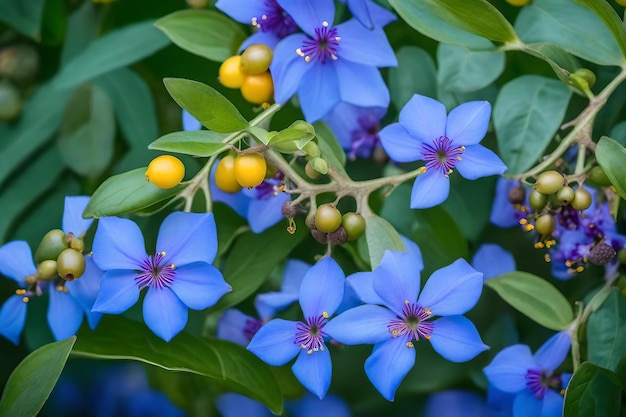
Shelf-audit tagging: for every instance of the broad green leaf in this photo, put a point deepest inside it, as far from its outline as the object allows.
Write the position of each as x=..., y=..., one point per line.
x=606, y=332
x=82, y=29
x=403, y=83
x=23, y=16
x=464, y=70
x=528, y=112
x=610, y=18
x=228, y=365
x=452, y=99
x=31, y=383
x=612, y=158
x=87, y=131
x=435, y=21
x=113, y=50
x=125, y=193
x=592, y=391
x=621, y=372
x=329, y=147
x=380, y=236
x=571, y=26
x=193, y=142
x=535, y=297
x=470, y=214
x=208, y=106
x=561, y=62
x=202, y=32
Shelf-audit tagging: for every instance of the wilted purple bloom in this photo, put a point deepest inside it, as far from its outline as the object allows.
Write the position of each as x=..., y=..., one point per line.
x=503, y=212
x=369, y=14
x=492, y=260
x=178, y=276
x=356, y=128
x=425, y=133
x=403, y=318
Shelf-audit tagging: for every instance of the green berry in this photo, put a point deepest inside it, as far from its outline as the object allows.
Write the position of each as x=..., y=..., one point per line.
x=354, y=224
x=582, y=199
x=549, y=182
x=52, y=244
x=565, y=195
x=47, y=270
x=598, y=177
x=544, y=225
x=537, y=200
x=256, y=59
x=327, y=218
x=71, y=264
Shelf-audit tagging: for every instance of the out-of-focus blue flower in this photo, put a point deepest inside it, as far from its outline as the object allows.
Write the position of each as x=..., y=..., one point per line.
x=369, y=14
x=492, y=260
x=190, y=122
x=455, y=404
x=16, y=263
x=403, y=318
x=329, y=64
x=444, y=142
x=178, y=276
x=356, y=128
x=531, y=377
x=236, y=405
x=270, y=303
x=237, y=327
x=279, y=341
x=503, y=212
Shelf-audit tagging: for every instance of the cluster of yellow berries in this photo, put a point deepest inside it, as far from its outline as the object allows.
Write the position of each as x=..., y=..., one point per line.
x=249, y=72
x=245, y=170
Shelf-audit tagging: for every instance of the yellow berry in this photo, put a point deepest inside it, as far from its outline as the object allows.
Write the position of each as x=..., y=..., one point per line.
x=230, y=74
x=165, y=171
x=258, y=88
x=250, y=169
x=225, y=175
x=621, y=2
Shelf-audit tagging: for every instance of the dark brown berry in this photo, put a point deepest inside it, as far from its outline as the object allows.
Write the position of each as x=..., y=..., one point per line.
x=288, y=210
x=338, y=237
x=601, y=254
x=321, y=237
x=517, y=195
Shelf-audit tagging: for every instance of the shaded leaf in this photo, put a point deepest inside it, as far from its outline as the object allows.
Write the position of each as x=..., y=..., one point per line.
x=193, y=142
x=592, y=391
x=379, y=237
x=403, y=83
x=329, y=147
x=606, y=332
x=611, y=20
x=611, y=157
x=464, y=70
x=23, y=16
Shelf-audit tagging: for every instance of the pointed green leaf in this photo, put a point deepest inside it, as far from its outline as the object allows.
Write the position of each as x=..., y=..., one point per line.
x=203, y=32
x=463, y=70
x=31, y=383
x=329, y=147
x=606, y=332
x=379, y=237
x=592, y=391
x=228, y=365
x=612, y=158
x=202, y=143
x=608, y=14
x=23, y=16
x=208, y=106
x=535, y=297
x=402, y=80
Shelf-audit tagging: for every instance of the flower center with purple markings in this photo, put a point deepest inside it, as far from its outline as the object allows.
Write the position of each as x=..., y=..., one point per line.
x=364, y=139
x=275, y=20
x=154, y=272
x=310, y=335
x=323, y=47
x=412, y=323
x=442, y=155
x=251, y=327
x=538, y=382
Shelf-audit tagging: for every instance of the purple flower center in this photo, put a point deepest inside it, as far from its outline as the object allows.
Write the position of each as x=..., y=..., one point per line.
x=538, y=382
x=153, y=272
x=442, y=155
x=412, y=323
x=310, y=335
x=250, y=327
x=275, y=20
x=323, y=47
x=364, y=138
x=266, y=190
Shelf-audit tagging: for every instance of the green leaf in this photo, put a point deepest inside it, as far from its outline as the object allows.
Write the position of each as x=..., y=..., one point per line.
x=606, y=332
x=193, y=142
x=380, y=236
x=112, y=51
x=298, y=131
x=23, y=16
x=573, y=27
x=228, y=365
x=527, y=114
x=621, y=372
x=82, y=29
x=208, y=106
x=87, y=132
x=610, y=18
x=125, y=193
x=329, y=147
x=202, y=32
x=481, y=18
x=611, y=157
x=403, y=83
x=31, y=383
x=463, y=70
x=592, y=391
x=535, y=297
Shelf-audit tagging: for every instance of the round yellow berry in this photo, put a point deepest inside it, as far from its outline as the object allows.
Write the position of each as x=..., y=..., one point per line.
x=250, y=169
x=165, y=171
x=225, y=175
x=258, y=88
x=230, y=74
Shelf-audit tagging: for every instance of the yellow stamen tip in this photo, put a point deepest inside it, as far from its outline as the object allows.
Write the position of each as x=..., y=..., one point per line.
x=325, y=314
x=422, y=170
x=25, y=299
x=163, y=253
x=523, y=221
x=409, y=345
x=427, y=337
x=325, y=24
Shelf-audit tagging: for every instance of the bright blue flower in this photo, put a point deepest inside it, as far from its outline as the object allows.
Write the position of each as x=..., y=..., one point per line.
x=492, y=260
x=178, y=276
x=532, y=378
x=369, y=14
x=329, y=64
x=403, y=318
x=425, y=133
x=279, y=341
x=356, y=128
x=503, y=212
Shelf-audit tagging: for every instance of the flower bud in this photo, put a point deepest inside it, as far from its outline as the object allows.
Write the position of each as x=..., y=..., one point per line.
x=517, y=195
x=52, y=244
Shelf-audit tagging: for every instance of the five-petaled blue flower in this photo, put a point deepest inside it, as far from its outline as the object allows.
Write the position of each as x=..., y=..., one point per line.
x=178, y=276
x=395, y=318
x=279, y=341
x=444, y=143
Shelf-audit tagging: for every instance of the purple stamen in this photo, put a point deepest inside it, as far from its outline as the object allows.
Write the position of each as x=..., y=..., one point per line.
x=310, y=335
x=275, y=20
x=442, y=155
x=323, y=47
x=365, y=138
x=412, y=323
x=538, y=382
x=251, y=327
x=154, y=273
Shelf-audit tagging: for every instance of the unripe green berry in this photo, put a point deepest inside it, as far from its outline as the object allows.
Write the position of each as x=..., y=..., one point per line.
x=52, y=244
x=310, y=171
x=354, y=224
x=327, y=218
x=587, y=75
x=70, y=264
x=582, y=199
x=256, y=59
x=549, y=182
x=565, y=195
x=47, y=270
x=537, y=200
x=544, y=225
x=598, y=177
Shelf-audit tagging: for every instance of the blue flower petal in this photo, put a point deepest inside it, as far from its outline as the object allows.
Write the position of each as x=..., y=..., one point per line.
x=322, y=288
x=452, y=290
x=237, y=405
x=361, y=85
x=65, y=315
x=526, y=404
x=295, y=270
x=16, y=261
x=361, y=12
x=308, y=14
x=199, y=285
x=118, y=244
x=362, y=46
x=288, y=68
x=85, y=290
x=478, y=161
x=236, y=327
x=399, y=145
x=430, y=189
x=190, y=122
x=365, y=324
x=274, y=342
x=415, y=251
x=319, y=91
x=270, y=303
x=270, y=39
x=118, y=291
x=456, y=339
x=73, y=215
x=388, y=364
x=12, y=318
x=396, y=280
x=242, y=10
x=164, y=313
x=265, y=213
x=424, y=118
x=381, y=16
x=314, y=371
x=311, y=406
x=503, y=213
x=455, y=403
x=467, y=124
x=507, y=371
x=492, y=260
x=363, y=285
x=552, y=405
x=553, y=352
x=187, y=238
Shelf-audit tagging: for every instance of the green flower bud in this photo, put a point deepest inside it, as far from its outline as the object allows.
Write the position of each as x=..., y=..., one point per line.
x=52, y=244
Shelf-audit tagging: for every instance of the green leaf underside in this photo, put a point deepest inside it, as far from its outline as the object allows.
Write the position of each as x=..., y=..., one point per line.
x=606, y=333
x=330, y=149
x=23, y=16
x=612, y=158
x=202, y=143
x=381, y=236
x=611, y=20
x=463, y=70
x=592, y=391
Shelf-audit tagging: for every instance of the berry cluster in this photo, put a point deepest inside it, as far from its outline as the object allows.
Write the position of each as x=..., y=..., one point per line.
x=249, y=72
x=329, y=226
x=245, y=170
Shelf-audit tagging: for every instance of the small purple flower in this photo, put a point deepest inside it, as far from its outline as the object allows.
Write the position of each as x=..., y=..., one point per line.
x=279, y=341
x=356, y=128
x=425, y=133
x=179, y=275
x=492, y=260
x=403, y=318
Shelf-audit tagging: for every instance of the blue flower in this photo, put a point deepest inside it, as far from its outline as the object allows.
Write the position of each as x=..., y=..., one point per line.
x=237, y=327
x=532, y=378
x=492, y=260
x=369, y=14
x=356, y=128
x=190, y=122
x=444, y=143
x=404, y=319
x=329, y=64
x=270, y=303
x=178, y=276
x=279, y=341
x=16, y=263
